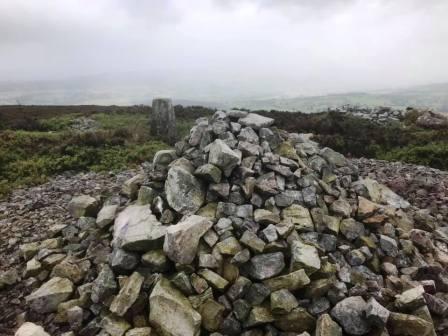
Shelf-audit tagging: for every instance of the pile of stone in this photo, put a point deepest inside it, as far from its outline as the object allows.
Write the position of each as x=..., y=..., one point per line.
x=381, y=115
x=242, y=229
x=84, y=124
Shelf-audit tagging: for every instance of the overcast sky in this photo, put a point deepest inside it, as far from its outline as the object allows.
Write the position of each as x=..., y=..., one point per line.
x=287, y=46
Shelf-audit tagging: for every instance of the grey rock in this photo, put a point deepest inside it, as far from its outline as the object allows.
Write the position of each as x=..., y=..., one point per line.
x=222, y=156
x=264, y=266
x=47, y=298
x=137, y=229
x=184, y=192
x=256, y=121
x=182, y=239
x=350, y=314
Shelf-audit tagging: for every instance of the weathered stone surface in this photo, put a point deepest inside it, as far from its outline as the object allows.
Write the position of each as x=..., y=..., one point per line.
x=282, y=301
x=127, y=295
x=163, y=120
x=300, y=217
x=47, y=298
x=349, y=313
x=291, y=281
x=264, y=266
x=297, y=321
x=222, y=156
x=376, y=314
x=325, y=326
x=256, y=121
x=115, y=326
x=137, y=229
x=106, y=215
x=131, y=186
x=304, y=256
x=184, y=192
x=209, y=173
x=31, y=329
x=182, y=239
x=171, y=313
x=83, y=205
x=408, y=325
x=104, y=285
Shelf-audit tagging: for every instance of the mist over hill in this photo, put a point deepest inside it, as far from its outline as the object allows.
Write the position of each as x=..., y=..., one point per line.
x=140, y=89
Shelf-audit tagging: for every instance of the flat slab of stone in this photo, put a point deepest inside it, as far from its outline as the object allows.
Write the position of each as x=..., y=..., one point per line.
x=31, y=329
x=47, y=298
x=182, y=239
x=137, y=229
x=171, y=312
x=256, y=121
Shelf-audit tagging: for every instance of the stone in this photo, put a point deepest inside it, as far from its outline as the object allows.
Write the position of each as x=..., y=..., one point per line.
x=325, y=326
x=137, y=229
x=163, y=120
x=212, y=315
x=291, y=281
x=267, y=184
x=408, y=325
x=268, y=265
x=351, y=229
x=104, y=286
x=128, y=294
x=31, y=329
x=376, y=314
x=258, y=315
x=300, y=217
x=410, y=299
x=389, y=246
x=229, y=246
x=349, y=313
x=146, y=195
x=282, y=301
x=143, y=331
x=184, y=192
x=381, y=194
x=163, y=158
x=266, y=217
x=131, y=186
x=257, y=293
x=209, y=172
x=106, y=216
x=222, y=156
x=123, y=261
x=252, y=241
x=304, y=256
x=156, y=261
x=214, y=279
x=297, y=321
x=182, y=239
x=341, y=207
x=70, y=269
x=83, y=205
x=115, y=326
x=171, y=313
x=256, y=121
x=47, y=298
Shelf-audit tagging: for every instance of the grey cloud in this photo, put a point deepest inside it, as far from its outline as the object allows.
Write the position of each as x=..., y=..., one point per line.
x=251, y=47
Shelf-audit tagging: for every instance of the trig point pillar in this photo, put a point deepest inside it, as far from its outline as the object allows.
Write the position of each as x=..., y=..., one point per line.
x=163, y=120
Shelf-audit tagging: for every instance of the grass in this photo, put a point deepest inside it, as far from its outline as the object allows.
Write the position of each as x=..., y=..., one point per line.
x=38, y=142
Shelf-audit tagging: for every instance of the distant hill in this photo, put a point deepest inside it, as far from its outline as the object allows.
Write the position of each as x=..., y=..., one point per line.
x=429, y=96
x=140, y=89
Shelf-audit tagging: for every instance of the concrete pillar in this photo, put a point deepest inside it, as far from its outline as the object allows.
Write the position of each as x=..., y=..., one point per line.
x=163, y=120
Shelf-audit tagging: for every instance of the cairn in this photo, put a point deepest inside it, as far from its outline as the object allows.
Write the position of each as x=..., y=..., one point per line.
x=243, y=229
